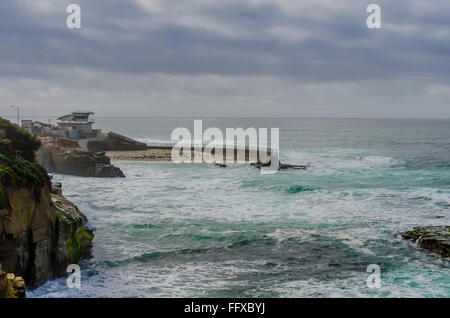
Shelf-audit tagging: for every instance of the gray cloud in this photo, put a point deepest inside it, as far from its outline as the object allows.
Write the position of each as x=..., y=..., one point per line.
x=228, y=57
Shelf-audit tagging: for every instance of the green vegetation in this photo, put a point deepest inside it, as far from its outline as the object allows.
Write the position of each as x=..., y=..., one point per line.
x=78, y=241
x=13, y=138
x=427, y=232
x=19, y=171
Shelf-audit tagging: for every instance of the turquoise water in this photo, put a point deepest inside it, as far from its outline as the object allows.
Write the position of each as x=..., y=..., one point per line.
x=170, y=230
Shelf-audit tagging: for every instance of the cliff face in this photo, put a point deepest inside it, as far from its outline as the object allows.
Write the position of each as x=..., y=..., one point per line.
x=40, y=232
x=40, y=236
x=63, y=155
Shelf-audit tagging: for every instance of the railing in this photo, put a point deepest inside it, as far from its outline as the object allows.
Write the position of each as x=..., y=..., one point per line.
x=75, y=121
x=90, y=119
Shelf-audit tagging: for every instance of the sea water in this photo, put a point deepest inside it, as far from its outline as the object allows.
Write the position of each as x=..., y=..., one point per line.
x=197, y=230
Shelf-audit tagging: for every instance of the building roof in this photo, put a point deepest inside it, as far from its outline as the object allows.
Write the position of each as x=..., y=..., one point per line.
x=82, y=111
x=65, y=117
x=71, y=117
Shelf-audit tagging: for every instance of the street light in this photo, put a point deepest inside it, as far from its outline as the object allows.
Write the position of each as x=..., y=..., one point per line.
x=18, y=116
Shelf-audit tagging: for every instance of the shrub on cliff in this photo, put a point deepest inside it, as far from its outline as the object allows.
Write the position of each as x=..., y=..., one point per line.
x=13, y=138
x=18, y=171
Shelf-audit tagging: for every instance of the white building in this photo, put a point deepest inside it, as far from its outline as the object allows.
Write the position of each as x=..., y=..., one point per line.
x=78, y=125
x=26, y=124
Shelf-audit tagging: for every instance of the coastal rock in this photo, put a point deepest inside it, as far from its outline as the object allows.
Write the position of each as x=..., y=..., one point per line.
x=40, y=236
x=102, y=171
x=62, y=155
x=41, y=232
x=284, y=166
x=435, y=239
x=11, y=286
x=281, y=166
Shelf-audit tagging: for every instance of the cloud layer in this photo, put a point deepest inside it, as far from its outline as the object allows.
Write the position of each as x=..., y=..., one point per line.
x=227, y=58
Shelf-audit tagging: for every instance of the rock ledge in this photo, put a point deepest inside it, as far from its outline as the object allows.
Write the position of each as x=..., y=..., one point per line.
x=435, y=239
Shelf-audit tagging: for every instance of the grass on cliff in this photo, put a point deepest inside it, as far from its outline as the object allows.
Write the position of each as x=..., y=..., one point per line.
x=18, y=171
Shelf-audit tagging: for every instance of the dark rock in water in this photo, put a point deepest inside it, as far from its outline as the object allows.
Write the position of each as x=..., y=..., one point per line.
x=259, y=165
x=104, y=169
x=281, y=166
x=102, y=158
x=62, y=155
x=284, y=166
x=108, y=171
x=436, y=239
x=221, y=165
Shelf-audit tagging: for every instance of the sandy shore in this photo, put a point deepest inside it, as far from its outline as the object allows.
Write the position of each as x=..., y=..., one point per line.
x=157, y=154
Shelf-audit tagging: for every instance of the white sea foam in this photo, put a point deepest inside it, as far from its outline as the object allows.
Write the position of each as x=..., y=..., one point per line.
x=222, y=231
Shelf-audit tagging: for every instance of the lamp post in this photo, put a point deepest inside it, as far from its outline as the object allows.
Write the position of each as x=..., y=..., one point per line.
x=18, y=115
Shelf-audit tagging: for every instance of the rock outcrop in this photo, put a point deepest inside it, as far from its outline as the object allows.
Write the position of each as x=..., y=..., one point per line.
x=41, y=232
x=435, y=239
x=281, y=166
x=40, y=236
x=11, y=286
x=62, y=155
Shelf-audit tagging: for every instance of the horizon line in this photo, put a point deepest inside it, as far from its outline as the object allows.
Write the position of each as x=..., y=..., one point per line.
x=237, y=117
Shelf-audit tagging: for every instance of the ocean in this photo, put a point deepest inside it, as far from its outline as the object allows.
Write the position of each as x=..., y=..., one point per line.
x=197, y=230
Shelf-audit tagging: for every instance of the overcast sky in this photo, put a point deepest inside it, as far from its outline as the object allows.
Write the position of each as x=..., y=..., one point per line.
x=305, y=58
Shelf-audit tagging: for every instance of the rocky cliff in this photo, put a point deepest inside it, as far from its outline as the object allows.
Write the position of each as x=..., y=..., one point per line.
x=62, y=155
x=40, y=235
x=40, y=232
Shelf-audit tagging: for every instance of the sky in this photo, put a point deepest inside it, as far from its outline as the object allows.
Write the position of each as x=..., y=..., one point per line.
x=230, y=58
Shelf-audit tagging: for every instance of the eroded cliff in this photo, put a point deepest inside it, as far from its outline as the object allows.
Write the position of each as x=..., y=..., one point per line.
x=40, y=232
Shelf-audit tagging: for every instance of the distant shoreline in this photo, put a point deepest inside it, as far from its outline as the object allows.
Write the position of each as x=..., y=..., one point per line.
x=150, y=154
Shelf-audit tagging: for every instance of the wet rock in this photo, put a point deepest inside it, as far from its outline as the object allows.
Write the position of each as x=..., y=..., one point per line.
x=108, y=171
x=435, y=239
x=281, y=166
x=62, y=155
x=284, y=166
x=221, y=165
